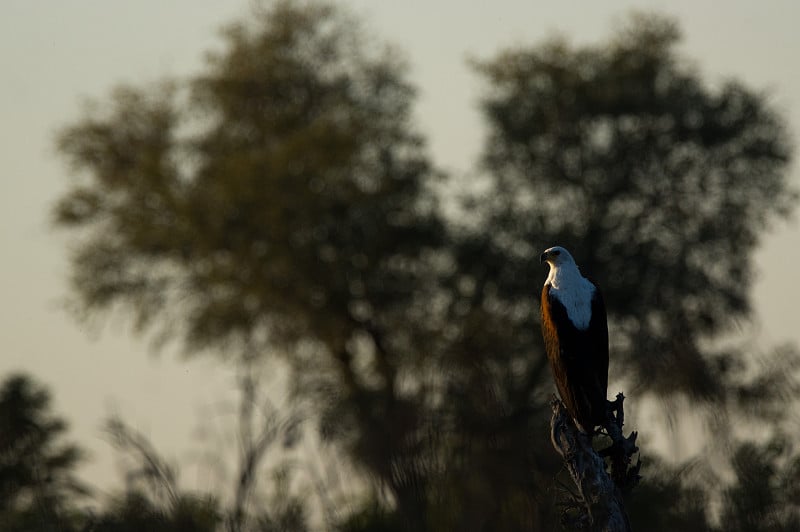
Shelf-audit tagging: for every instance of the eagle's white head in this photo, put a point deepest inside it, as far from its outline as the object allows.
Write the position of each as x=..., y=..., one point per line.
x=562, y=267
x=567, y=284
x=557, y=257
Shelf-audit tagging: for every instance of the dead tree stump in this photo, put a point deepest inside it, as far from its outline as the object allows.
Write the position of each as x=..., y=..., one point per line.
x=598, y=505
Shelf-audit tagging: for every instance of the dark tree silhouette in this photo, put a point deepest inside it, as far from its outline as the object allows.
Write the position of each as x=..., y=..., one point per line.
x=764, y=496
x=661, y=184
x=134, y=512
x=281, y=206
x=38, y=487
x=294, y=214
x=672, y=498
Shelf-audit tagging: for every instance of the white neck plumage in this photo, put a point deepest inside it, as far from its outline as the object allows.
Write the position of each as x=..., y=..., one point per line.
x=573, y=291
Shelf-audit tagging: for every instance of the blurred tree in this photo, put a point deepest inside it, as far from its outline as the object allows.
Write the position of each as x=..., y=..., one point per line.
x=281, y=205
x=671, y=498
x=38, y=489
x=371, y=518
x=135, y=511
x=294, y=215
x=152, y=482
x=765, y=496
x=663, y=187
x=661, y=184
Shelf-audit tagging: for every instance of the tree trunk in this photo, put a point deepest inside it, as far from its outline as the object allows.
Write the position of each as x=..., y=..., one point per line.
x=598, y=506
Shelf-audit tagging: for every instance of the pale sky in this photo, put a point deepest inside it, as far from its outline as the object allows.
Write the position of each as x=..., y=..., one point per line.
x=55, y=54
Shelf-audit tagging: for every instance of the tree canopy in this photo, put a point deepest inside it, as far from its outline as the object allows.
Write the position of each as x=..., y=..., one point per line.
x=661, y=182
x=281, y=204
x=38, y=488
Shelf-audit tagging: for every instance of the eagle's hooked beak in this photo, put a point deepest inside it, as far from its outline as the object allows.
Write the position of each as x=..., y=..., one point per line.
x=543, y=257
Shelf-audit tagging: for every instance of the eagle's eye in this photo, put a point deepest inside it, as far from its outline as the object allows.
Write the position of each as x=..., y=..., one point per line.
x=556, y=253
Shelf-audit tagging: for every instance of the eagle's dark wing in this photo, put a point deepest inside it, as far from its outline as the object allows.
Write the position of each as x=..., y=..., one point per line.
x=598, y=330
x=578, y=359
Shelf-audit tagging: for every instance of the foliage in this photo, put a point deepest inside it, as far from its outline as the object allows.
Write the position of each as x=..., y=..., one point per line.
x=661, y=184
x=38, y=488
x=152, y=482
x=296, y=213
x=294, y=210
x=371, y=518
x=671, y=498
x=282, y=205
x=764, y=496
x=135, y=511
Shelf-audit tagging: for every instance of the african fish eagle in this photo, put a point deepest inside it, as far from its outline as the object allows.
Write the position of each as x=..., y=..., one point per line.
x=576, y=339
